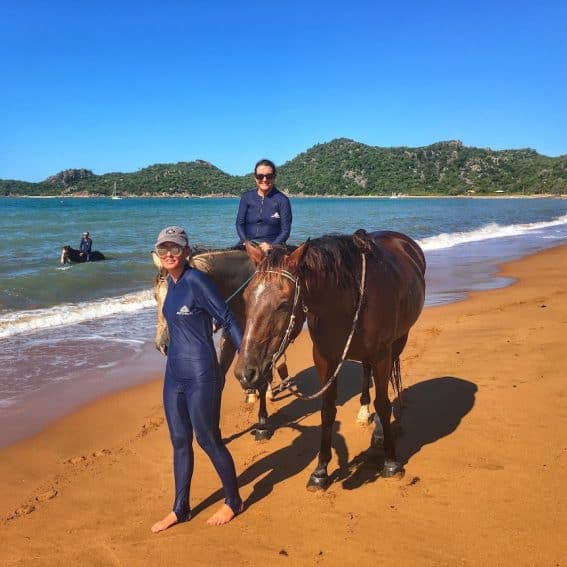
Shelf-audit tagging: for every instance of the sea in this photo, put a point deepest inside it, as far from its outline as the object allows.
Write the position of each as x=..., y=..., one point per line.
x=71, y=333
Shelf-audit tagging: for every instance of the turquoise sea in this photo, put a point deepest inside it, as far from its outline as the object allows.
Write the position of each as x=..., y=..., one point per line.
x=70, y=333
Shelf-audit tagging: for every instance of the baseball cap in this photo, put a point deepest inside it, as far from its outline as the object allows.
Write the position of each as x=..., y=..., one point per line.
x=173, y=234
x=85, y=233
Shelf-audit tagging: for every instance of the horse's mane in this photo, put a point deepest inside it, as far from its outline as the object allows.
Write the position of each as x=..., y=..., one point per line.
x=205, y=258
x=332, y=258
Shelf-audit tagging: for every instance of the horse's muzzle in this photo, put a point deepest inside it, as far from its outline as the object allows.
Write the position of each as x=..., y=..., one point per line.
x=251, y=377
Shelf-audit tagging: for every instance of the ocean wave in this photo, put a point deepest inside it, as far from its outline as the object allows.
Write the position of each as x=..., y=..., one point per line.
x=18, y=322
x=487, y=232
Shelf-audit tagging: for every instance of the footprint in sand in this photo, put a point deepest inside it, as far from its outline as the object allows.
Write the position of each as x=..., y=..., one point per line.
x=102, y=452
x=22, y=511
x=48, y=495
x=75, y=460
x=151, y=425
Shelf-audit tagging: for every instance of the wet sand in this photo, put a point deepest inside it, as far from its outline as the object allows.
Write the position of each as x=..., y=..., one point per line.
x=483, y=437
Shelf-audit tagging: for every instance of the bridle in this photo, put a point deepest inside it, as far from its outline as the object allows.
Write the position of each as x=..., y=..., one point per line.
x=297, y=292
x=286, y=383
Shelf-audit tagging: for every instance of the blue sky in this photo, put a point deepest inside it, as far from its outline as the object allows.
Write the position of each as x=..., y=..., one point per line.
x=119, y=85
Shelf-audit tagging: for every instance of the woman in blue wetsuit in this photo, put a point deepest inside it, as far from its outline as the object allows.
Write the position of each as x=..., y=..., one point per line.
x=193, y=385
x=264, y=213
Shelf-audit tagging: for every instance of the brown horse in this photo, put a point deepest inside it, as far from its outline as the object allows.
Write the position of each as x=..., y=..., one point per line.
x=230, y=270
x=361, y=294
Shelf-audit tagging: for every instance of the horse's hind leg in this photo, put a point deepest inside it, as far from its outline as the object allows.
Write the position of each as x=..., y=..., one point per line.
x=363, y=417
x=382, y=369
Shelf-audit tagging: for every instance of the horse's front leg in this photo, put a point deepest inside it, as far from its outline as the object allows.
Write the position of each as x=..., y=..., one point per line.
x=319, y=479
x=363, y=417
x=262, y=432
x=382, y=370
x=226, y=354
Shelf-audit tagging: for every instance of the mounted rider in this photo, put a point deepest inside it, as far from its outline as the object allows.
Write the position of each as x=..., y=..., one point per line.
x=85, y=246
x=264, y=213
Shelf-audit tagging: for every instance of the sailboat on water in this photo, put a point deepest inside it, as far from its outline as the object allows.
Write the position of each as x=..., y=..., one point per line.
x=114, y=195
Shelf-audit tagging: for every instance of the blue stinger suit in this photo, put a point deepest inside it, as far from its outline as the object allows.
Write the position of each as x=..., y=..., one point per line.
x=193, y=384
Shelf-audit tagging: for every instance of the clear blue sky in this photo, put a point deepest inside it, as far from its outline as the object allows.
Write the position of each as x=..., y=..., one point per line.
x=119, y=85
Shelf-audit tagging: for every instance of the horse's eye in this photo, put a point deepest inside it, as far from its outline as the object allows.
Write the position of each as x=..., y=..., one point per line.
x=283, y=306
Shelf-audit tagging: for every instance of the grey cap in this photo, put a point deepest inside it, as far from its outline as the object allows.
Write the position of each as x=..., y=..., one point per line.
x=173, y=234
x=85, y=233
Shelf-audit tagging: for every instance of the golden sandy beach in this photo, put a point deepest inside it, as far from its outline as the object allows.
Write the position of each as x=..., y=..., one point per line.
x=484, y=436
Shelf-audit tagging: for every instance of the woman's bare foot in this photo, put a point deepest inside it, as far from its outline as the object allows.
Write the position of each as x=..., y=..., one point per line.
x=222, y=516
x=167, y=522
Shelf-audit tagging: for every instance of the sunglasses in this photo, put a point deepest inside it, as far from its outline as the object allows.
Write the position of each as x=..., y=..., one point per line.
x=174, y=250
x=267, y=177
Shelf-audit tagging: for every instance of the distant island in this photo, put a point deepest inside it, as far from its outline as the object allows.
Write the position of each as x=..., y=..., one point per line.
x=341, y=167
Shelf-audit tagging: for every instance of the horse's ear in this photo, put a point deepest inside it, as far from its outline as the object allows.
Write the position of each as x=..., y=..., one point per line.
x=156, y=260
x=255, y=253
x=294, y=260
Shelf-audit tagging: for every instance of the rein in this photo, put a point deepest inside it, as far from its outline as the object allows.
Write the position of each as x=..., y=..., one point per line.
x=237, y=291
x=287, y=382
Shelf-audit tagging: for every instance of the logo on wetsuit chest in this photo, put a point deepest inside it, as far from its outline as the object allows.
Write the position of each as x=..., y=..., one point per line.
x=184, y=311
x=276, y=215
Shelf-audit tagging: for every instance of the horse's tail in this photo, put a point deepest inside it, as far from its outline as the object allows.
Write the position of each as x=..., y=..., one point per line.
x=396, y=379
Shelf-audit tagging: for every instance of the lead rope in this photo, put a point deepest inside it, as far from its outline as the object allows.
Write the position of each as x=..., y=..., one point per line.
x=285, y=384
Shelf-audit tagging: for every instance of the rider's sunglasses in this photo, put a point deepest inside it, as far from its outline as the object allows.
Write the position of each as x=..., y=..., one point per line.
x=174, y=250
x=267, y=177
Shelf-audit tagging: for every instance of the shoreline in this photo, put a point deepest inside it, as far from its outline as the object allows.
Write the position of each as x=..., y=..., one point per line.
x=483, y=439
x=293, y=195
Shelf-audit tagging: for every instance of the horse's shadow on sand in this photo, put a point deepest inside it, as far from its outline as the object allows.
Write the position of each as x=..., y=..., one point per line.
x=432, y=410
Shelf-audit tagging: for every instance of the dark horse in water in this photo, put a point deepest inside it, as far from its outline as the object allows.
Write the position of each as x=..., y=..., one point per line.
x=230, y=270
x=69, y=254
x=361, y=295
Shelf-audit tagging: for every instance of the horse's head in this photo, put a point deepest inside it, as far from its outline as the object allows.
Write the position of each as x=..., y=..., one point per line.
x=65, y=253
x=274, y=313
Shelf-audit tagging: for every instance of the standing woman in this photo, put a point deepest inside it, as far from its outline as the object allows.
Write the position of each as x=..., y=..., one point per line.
x=193, y=384
x=264, y=213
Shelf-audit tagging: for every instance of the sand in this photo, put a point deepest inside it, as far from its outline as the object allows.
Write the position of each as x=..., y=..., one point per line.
x=484, y=438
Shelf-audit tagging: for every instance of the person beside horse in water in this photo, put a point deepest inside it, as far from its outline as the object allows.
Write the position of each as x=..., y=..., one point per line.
x=193, y=383
x=264, y=213
x=85, y=246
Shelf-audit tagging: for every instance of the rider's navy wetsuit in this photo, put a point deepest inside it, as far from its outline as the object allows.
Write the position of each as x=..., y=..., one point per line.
x=193, y=384
x=85, y=246
x=264, y=219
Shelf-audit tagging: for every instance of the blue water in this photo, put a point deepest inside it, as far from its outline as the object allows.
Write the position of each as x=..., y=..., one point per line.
x=56, y=322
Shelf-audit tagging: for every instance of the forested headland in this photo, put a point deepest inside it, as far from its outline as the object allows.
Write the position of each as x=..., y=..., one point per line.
x=340, y=167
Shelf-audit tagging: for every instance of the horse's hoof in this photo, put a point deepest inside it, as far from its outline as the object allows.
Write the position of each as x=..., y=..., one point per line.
x=262, y=434
x=317, y=483
x=364, y=416
x=393, y=469
x=250, y=397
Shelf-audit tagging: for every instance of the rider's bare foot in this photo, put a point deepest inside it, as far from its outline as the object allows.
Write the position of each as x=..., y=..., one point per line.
x=167, y=522
x=222, y=516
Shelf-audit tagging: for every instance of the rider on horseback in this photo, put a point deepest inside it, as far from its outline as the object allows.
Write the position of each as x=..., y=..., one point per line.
x=264, y=214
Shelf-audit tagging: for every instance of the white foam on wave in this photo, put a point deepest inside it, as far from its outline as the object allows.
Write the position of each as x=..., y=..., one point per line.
x=15, y=323
x=487, y=232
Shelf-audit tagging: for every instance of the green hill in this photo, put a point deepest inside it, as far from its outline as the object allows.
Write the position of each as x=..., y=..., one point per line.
x=339, y=167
